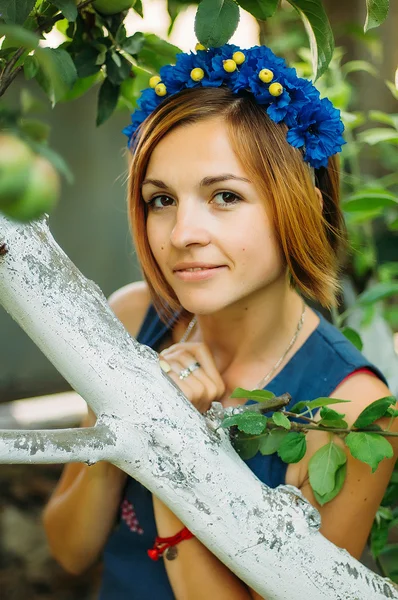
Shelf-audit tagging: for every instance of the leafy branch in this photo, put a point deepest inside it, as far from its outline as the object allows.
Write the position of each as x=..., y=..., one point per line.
x=267, y=427
x=9, y=73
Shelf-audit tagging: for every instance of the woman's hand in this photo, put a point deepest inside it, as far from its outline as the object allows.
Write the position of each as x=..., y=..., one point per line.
x=204, y=384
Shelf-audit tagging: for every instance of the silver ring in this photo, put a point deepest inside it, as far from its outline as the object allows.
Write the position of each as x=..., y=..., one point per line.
x=184, y=373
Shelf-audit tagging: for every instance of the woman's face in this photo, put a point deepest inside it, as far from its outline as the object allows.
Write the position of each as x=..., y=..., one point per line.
x=207, y=224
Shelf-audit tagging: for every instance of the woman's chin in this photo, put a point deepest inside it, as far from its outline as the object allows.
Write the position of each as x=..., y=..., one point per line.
x=201, y=308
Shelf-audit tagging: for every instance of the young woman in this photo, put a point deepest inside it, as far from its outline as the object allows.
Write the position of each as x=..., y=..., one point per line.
x=235, y=215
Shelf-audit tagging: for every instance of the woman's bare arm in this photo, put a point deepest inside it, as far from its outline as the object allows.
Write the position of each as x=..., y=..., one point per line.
x=82, y=509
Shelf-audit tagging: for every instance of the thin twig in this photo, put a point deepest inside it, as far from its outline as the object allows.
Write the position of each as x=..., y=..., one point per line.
x=298, y=416
x=304, y=428
x=84, y=4
x=382, y=432
x=271, y=404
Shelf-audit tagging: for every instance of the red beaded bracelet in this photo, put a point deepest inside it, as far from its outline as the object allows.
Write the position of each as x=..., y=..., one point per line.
x=167, y=545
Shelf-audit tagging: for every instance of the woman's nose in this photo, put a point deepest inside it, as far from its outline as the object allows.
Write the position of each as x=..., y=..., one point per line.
x=190, y=227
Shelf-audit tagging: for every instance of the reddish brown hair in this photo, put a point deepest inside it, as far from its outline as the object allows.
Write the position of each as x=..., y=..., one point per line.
x=310, y=237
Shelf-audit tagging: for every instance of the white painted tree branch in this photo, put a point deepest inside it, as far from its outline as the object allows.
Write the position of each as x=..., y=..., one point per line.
x=269, y=538
x=89, y=445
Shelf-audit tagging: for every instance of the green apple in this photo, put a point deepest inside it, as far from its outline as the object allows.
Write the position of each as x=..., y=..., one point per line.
x=15, y=162
x=112, y=7
x=40, y=194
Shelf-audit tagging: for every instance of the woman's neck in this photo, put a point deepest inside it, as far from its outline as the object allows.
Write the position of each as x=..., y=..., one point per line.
x=257, y=331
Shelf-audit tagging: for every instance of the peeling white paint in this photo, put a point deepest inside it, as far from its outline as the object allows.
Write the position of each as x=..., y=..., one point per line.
x=269, y=538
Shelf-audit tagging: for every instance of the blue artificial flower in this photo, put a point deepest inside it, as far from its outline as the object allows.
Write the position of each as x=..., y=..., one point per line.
x=278, y=108
x=149, y=100
x=319, y=130
x=313, y=124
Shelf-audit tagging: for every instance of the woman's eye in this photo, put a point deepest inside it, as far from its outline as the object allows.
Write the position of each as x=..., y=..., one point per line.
x=226, y=199
x=159, y=202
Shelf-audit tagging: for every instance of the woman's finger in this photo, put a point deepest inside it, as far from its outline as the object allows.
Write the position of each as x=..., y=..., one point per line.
x=201, y=354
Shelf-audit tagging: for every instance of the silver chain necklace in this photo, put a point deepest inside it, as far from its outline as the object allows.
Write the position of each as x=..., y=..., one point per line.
x=264, y=380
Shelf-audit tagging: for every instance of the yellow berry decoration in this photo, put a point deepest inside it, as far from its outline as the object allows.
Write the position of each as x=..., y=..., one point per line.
x=229, y=65
x=160, y=89
x=266, y=75
x=275, y=89
x=238, y=57
x=199, y=46
x=154, y=81
x=197, y=74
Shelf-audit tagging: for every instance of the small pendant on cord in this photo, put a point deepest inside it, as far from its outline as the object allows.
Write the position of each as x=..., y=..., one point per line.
x=171, y=553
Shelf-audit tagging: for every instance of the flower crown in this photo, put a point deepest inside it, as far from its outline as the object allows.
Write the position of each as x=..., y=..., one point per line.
x=313, y=123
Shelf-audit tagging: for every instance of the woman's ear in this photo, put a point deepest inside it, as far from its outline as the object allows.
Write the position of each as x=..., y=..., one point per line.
x=319, y=194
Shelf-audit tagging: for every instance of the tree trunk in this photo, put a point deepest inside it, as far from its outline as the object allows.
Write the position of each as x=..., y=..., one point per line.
x=269, y=538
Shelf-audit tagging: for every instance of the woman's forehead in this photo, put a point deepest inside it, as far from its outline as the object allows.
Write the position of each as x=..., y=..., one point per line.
x=202, y=148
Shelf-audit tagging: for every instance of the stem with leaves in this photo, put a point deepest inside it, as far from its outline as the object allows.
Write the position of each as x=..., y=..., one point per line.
x=9, y=72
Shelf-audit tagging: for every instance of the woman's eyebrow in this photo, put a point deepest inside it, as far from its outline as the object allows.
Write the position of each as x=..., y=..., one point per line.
x=206, y=181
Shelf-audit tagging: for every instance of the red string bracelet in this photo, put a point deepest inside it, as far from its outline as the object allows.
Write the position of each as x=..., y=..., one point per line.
x=167, y=544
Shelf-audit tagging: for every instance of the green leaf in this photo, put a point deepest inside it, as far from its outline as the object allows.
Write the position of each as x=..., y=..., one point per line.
x=359, y=65
x=257, y=395
x=378, y=134
x=332, y=418
x=260, y=9
x=245, y=447
x=293, y=447
x=393, y=225
x=319, y=32
x=30, y=103
x=247, y=422
x=383, y=117
x=317, y=403
x=353, y=336
x=55, y=159
x=57, y=74
x=18, y=36
x=138, y=8
x=374, y=411
x=86, y=62
x=379, y=536
x=338, y=484
x=388, y=560
x=377, y=11
x=107, y=101
x=281, y=420
x=117, y=68
x=155, y=52
x=134, y=43
x=16, y=11
x=68, y=8
x=82, y=85
x=270, y=442
x=392, y=412
x=35, y=129
x=377, y=292
x=30, y=67
x=216, y=21
x=369, y=200
x=328, y=414
x=323, y=466
x=392, y=87
x=370, y=448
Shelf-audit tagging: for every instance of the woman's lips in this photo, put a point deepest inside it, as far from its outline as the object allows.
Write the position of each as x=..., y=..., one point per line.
x=198, y=273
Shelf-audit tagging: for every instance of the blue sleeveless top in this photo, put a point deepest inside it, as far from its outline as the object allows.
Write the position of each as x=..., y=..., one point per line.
x=129, y=574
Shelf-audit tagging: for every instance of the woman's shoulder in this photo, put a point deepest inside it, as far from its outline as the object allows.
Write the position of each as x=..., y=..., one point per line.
x=130, y=304
x=330, y=337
